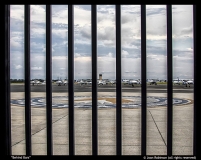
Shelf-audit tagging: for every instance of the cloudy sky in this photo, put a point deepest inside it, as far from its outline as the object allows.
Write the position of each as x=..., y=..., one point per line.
x=131, y=41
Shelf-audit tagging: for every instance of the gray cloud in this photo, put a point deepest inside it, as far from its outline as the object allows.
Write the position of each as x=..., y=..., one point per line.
x=125, y=18
x=157, y=50
x=57, y=8
x=85, y=7
x=187, y=30
x=86, y=32
x=155, y=11
x=107, y=34
x=103, y=51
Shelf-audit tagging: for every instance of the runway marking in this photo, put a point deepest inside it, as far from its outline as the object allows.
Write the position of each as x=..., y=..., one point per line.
x=103, y=101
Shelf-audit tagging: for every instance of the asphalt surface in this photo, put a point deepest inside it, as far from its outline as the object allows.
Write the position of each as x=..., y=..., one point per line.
x=160, y=88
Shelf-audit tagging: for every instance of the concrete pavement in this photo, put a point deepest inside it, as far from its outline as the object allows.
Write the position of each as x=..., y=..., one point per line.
x=131, y=128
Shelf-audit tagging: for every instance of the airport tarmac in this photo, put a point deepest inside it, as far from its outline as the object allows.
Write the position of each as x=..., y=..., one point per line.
x=131, y=127
x=160, y=88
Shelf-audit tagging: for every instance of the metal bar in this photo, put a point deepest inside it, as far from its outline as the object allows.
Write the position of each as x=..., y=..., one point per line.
x=27, y=79
x=71, y=79
x=195, y=80
x=144, y=85
x=6, y=138
x=94, y=81
x=169, y=80
x=49, y=78
x=118, y=83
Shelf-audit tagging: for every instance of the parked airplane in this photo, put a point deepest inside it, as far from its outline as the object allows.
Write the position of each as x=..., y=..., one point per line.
x=125, y=81
x=177, y=81
x=112, y=82
x=44, y=82
x=188, y=82
x=133, y=82
x=33, y=82
x=81, y=82
x=152, y=81
x=101, y=82
x=61, y=82
x=89, y=82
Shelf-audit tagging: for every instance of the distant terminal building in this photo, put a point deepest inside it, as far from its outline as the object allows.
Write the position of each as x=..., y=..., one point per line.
x=100, y=76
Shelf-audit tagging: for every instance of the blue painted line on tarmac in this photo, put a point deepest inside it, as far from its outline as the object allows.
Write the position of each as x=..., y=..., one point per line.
x=80, y=102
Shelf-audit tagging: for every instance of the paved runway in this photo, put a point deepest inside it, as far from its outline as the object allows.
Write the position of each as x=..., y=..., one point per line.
x=105, y=88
